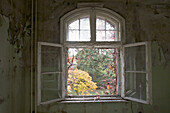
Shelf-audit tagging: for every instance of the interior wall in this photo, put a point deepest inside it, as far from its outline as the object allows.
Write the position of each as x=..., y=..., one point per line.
x=15, y=56
x=145, y=21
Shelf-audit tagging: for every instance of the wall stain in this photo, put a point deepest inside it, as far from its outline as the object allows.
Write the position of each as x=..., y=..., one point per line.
x=167, y=16
x=15, y=68
x=2, y=101
x=63, y=111
x=140, y=109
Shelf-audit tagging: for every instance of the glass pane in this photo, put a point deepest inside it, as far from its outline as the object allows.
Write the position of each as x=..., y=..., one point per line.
x=84, y=35
x=100, y=36
x=73, y=35
x=85, y=24
x=135, y=58
x=110, y=26
x=100, y=24
x=50, y=87
x=79, y=30
x=136, y=85
x=92, y=71
x=105, y=30
x=110, y=35
x=74, y=25
x=50, y=59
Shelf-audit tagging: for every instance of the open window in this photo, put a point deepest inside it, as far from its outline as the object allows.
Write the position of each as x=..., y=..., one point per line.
x=91, y=63
x=50, y=72
x=137, y=72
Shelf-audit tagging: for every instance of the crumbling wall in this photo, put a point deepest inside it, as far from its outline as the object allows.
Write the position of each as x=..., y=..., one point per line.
x=145, y=21
x=15, y=56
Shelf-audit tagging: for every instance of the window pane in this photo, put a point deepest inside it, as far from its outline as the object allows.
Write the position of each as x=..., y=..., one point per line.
x=135, y=58
x=73, y=35
x=50, y=59
x=84, y=35
x=79, y=30
x=92, y=71
x=110, y=26
x=105, y=30
x=136, y=85
x=74, y=25
x=50, y=87
x=110, y=35
x=85, y=24
x=100, y=35
x=100, y=24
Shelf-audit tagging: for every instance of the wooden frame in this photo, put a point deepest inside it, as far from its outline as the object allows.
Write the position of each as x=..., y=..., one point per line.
x=92, y=12
x=147, y=72
x=40, y=44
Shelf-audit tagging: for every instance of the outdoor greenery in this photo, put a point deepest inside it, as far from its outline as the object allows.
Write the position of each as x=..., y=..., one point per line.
x=100, y=66
x=81, y=82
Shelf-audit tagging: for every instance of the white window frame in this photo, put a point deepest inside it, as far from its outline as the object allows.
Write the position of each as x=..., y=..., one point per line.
x=39, y=73
x=148, y=72
x=114, y=44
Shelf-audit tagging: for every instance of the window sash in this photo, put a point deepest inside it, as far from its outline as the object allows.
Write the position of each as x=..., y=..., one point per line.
x=92, y=13
x=40, y=73
x=147, y=73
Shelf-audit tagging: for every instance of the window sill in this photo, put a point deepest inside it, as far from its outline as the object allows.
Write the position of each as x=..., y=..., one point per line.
x=93, y=100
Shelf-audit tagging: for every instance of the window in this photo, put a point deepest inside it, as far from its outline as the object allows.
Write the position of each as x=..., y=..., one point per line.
x=92, y=63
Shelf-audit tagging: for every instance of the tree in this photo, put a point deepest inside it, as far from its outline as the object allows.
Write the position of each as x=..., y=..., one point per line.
x=80, y=82
x=101, y=64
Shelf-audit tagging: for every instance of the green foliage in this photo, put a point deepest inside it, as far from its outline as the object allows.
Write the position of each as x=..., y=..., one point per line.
x=99, y=63
x=80, y=82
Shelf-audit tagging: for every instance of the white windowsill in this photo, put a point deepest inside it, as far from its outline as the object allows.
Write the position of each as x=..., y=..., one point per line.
x=93, y=100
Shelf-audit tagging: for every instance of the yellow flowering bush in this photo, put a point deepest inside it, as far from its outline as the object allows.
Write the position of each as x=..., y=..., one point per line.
x=80, y=82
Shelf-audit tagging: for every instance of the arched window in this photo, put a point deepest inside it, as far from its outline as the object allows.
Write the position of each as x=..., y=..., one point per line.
x=91, y=63
x=92, y=25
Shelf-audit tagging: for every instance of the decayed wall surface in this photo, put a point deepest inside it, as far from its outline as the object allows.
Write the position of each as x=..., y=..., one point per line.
x=145, y=20
x=14, y=57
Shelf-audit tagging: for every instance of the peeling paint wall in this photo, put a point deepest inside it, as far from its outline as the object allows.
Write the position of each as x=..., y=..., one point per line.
x=145, y=20
x=14, y=65
x=14, y=75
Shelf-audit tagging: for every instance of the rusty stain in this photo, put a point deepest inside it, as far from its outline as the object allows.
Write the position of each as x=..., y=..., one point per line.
x=14, y=69
x=48, y=107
